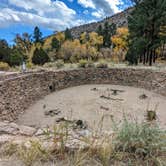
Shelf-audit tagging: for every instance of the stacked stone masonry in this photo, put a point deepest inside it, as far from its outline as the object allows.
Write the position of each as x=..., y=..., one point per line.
x=19, y=92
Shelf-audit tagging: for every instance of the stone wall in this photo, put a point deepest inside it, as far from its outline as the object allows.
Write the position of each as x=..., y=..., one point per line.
x=18, y=93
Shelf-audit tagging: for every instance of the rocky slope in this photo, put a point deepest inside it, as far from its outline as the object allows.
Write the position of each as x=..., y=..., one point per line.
x=120, y=19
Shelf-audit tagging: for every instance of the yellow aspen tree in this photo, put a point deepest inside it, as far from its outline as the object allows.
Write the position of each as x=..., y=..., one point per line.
x=120, y=42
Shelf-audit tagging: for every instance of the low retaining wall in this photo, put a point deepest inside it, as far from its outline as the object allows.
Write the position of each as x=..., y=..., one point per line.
x=18, y=93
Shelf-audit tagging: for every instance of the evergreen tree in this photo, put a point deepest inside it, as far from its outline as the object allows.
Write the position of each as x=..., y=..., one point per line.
x=12, y=56
x=15, y=58
x=4, y=51
x=55, y=44
x=40, y=57
x=108, y=32
x=37, y=35
x=145, y=25
x=100, y=30
x=68, y=35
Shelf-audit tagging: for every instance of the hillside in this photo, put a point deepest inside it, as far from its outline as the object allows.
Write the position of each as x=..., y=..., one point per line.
x=120, y=19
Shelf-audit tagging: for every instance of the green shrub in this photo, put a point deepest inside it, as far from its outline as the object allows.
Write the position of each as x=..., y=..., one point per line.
x=140, y=139
x=59, y=63
x=83, y=63
x=102, y=64
x=89, y=64
x=15, y=58
x=30, y=65
x=49, y=64
x=4, y=66
x=40, y=57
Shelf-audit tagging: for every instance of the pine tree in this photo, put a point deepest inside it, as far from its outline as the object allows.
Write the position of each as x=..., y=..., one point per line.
x=40, y=57
x=108, y=32
x=55, y=44
x=145, y=25
x=68, y=35
x=100, y=30
x=37, y=35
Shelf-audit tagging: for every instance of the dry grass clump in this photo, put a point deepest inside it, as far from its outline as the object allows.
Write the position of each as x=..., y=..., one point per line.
x=130, y=144
x=35, y=152
x=4, y=66
x=140, y=141
x=57, y=64
x=102, y=64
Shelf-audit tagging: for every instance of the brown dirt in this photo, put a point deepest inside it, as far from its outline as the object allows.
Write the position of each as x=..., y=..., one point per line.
x=83, y=103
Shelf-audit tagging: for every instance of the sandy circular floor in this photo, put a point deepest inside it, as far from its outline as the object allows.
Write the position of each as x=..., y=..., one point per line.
x=91, y=102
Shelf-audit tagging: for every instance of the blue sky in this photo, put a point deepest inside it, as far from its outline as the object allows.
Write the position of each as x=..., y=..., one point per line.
x=18, y=16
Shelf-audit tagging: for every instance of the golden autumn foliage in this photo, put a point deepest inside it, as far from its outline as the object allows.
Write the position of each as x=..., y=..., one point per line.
x=84, y=38
x=85, y=48
x=95, y=39
x=120, y=42
x=72, y=50
x=60, y=36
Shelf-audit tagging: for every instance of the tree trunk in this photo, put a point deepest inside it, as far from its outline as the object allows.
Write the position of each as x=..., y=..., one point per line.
x=154, y=56
x=150, y=58
x=147, y=56
x=144, y=56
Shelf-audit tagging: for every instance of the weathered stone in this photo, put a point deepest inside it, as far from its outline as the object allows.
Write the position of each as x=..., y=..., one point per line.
x=39, y=132
x=7, y=128
x=52, y=112
x=20, y=91
x=25, y=130
x=5, y=138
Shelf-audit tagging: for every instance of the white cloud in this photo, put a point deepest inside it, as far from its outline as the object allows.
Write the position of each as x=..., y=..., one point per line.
x=98, y=14
x=114, y=5
x=87, y=3
x=102, y=8
x=55, y=15
x=51, y=14
x=9, y=16
x=44, y=7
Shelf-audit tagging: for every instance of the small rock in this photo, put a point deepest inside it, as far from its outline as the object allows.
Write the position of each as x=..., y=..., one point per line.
x=48, y=145
x=8, y=128
x=81, y=124
x=39, y=132
x=85, y=133
x=26, y=130
x=52, y=112
x=143, y=96
x=44, y=106
x=5, y=139
x=104, y=108
x=94, y=89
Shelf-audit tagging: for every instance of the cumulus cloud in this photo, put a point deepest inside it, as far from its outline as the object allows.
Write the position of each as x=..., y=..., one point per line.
x=87, y=3
x=98, y=14
x=55, y=15
x=51, y=14
x=103, y=7
x=44, y=7
x=9, y=16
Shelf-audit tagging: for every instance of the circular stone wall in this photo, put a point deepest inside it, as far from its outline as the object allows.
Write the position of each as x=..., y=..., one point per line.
x=18, y=93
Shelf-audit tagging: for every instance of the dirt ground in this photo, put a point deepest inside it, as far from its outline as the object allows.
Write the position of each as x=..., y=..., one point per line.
x=92, y=102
